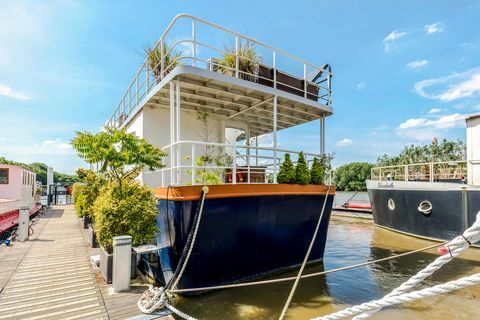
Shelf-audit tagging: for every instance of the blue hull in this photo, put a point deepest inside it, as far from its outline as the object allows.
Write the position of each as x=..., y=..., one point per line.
x=239, y=238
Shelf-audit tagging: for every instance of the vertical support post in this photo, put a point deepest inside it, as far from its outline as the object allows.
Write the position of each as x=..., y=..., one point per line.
x=234, y=171
x=256, y=151
x=23, y=223
x=177, y=135
x=194, y=165
x=305, y=80
x=194, y=42
x=172, y=129
x=162, y=58
x=406, y=173
x=147, y=81
x=122, y=263
x=329, y=81
x=322, y=135
x=236, y=56
x=274, y=69
x=432, y=172
x=248, y=154
x=136, y=89
x=275, y=139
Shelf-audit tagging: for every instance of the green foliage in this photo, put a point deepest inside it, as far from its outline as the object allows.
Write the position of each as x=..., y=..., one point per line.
x=248, y=62
x=302, y=174
x=317, y=172
x=121, y=155
x=154, y=59
x=126, y=210
x=85, y=194
x=287, y=171
x=434, y=152
x=41, y=170
x=352, y=176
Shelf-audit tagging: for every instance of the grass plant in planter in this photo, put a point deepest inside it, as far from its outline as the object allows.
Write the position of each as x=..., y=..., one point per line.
x=248, y=62
x=154, y=59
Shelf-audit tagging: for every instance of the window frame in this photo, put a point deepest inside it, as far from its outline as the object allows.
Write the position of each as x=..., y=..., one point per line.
x=8, y=176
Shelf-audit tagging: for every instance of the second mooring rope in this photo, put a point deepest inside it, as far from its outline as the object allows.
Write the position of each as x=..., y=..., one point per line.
x=450, y=250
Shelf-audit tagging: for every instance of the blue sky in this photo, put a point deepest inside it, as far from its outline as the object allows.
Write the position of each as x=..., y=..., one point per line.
x=404, y=72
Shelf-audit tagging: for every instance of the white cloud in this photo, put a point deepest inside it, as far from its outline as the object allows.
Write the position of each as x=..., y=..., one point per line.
x=344, y=142
x=361, y=86
x=434, y=110
x=9, y=92
x=392, y=37
x=56, y=144
x=456, y=86
x=424, y=129
x=417, y=64
x=434, y=27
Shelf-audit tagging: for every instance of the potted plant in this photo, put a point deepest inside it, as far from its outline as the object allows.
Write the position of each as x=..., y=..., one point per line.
x=248, y=62
x=126, y=210
x=122, y=206
x=154, y=59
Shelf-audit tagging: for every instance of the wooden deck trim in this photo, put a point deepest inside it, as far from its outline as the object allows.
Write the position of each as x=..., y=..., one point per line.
x=189, y=193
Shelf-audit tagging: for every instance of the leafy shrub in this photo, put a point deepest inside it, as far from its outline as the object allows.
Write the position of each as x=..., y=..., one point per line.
x=80, y=204
x=154, y=59
x=287, y=171
x=126, y=210
x=317, y=172
x=84, y=195
x=248, y=62
x=77, y=189
x=352, y=176
x=302, y=174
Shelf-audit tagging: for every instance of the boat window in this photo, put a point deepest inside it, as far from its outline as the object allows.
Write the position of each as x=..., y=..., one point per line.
x=391, y=204
x=4, y=176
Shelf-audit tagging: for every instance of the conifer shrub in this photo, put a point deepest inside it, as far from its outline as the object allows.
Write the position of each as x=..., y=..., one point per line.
x=126, y=210
x=317, y=172
x=302, y=174
x=287, y=171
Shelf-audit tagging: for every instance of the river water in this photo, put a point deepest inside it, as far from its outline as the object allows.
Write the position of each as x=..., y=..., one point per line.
x=351, y=241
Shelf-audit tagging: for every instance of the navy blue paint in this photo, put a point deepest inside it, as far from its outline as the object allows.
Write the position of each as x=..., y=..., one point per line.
x=240, y=238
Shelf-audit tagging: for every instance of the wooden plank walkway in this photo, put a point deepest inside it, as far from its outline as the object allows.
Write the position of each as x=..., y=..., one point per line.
x=51, y=277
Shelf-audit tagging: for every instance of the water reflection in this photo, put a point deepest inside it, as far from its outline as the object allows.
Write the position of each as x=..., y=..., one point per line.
x=350, y=241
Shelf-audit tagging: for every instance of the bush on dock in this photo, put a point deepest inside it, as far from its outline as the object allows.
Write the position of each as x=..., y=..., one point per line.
x=84, y=195
x=302, y=174
x=287, y=171
x=128, y=209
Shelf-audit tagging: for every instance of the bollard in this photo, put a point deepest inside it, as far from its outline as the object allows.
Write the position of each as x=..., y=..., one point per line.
x=122, y=263
x=23, y=223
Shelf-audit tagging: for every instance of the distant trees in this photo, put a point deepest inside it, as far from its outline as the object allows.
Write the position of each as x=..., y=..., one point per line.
x=444, y=150
x=352, y=176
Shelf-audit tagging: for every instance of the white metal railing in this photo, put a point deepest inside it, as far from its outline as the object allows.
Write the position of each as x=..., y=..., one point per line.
x=428, y=171
x=230, y=163
x=206, y=55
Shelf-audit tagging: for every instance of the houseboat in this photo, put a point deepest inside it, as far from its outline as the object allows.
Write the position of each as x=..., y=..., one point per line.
x=436, y=200
x=208, y=113
x=17, y=188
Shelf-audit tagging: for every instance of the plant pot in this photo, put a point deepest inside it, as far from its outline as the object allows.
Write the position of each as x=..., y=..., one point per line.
x=265, y=76
x=86, y=222
x=92, y=237
x=106, y=265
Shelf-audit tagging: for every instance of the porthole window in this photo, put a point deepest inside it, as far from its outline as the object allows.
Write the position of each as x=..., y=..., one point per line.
x=425, y=207
x=391, y=204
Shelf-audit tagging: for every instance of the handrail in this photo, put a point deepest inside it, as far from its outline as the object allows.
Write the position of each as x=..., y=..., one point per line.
x=130, y=99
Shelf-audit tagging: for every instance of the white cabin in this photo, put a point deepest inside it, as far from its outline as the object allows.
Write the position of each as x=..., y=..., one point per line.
x=17, y=187
x=163, y=102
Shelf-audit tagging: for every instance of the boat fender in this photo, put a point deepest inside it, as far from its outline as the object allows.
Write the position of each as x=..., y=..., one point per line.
x=425, y=207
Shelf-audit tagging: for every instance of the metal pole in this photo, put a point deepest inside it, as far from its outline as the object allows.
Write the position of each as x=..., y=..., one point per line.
x=177, y=136
x=274, y=69
x=275, y=139
x=256, y=150
x=162, y=61
x=194, y=165
x=236, y=56
x=194, y=44
x=305, y=81
x=234, y=173
x=172, y=129
x=322, y=135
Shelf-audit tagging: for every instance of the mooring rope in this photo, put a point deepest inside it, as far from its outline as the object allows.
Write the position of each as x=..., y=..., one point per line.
x=305, y=259
x=449, y=251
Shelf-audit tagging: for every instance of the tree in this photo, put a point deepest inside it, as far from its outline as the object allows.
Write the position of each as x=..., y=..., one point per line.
x=121, y=155
x=302, y=174
x=434, y=152
x=352, y=176
x=317, y=172
x=287, y=171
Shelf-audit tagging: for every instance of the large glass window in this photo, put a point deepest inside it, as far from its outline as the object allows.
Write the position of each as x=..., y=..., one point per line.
x=3, y=175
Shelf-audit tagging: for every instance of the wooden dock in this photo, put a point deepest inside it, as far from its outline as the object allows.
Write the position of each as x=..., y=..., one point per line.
x=51, y=277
